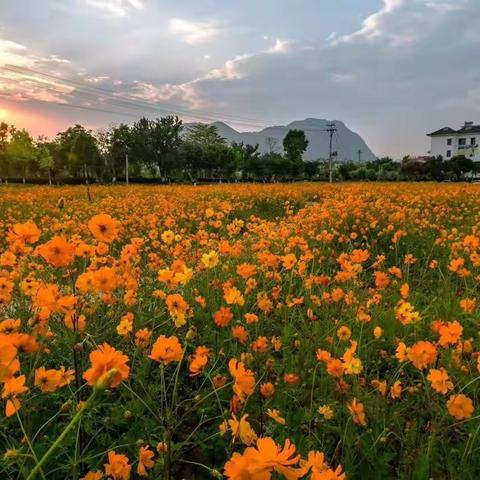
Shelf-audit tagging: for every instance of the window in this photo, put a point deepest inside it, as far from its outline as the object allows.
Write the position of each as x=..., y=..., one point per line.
x=449, y=153
x=462, y=141
x=449, y=141
x=473, y=141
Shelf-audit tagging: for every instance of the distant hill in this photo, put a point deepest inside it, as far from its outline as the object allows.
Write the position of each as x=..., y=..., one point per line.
x=345, y=142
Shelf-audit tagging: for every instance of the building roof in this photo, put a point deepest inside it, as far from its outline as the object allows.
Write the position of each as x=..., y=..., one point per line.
x=466, y=129
x=442, y=131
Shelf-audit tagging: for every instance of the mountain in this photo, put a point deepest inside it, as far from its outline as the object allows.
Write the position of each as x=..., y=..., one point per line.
x=345, y=142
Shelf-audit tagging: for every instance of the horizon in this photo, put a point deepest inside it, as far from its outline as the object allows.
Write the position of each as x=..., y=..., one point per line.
x=378, y=66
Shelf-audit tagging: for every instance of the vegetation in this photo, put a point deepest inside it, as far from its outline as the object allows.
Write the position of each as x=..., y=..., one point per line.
x=242, y=332
x=165, y=151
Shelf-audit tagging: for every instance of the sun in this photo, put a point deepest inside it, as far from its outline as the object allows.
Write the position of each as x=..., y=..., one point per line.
x=4, y=114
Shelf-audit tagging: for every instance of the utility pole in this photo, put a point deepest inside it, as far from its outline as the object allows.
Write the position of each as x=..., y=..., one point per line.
x=331, y=129
x=359, y=156
x=126, y=168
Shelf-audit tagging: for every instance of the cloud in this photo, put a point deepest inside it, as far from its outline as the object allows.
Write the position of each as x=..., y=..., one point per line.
x=193, y=33
x=21, y=87
x=280, y=46
x=116, y=8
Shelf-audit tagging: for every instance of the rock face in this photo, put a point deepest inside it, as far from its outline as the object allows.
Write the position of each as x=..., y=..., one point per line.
x=345, y=142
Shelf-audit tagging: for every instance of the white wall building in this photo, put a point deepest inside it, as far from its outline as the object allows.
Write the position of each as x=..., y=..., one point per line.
x=448, y=142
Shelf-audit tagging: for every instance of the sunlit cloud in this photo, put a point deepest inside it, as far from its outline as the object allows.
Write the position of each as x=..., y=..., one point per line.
x=117, y=8
x=191, y=32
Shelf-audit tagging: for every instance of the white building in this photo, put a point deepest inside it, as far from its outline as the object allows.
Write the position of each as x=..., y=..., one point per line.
x=448, y=142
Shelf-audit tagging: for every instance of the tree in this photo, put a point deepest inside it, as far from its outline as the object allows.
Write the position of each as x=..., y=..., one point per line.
x=79, y=150
x=156, y=143
x=21, y=151
x=5, y=132
x=44, y=158
x=205, y=153
x=295, y=144
x=459, y=165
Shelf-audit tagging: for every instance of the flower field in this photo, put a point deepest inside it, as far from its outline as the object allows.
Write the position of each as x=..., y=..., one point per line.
x=240, y=332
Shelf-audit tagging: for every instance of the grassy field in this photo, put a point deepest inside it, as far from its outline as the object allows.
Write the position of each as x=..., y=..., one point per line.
x=240, y=331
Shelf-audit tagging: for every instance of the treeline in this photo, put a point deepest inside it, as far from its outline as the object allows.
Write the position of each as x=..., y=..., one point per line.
x=457, y=168
x=165, y=150
x=162, y=149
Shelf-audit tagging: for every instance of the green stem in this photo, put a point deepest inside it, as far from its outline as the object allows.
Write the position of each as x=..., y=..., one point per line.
x=99, y=387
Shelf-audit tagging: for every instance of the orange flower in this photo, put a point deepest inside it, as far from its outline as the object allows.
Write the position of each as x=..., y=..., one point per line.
x=460, y=406
x=240, y=333
x=47, y=380
x=145, y=461
x=117, y=467
x=28, y=232
x=422, y=354
x=57, y=252
x=439, y=380
x=199, y=360
x=244, y=384
x=450, y=333
x=241, y=429
x=259, y=463
x=320, y=470
x=291, y=379
x=335, y=367
x=104, y=228
x=357, y=412
x=223, y=316
x=103, y=360
x=166, y=350
x=267, y=389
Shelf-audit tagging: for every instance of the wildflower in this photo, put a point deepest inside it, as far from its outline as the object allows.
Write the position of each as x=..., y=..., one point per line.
x=291, y=378
x=267, y=390
x=234, y=297
x=199, y=360
x=439, y=380
x=377, y=332
x=244, y=384
x=104, y=359
x=47, y=380
x=406, y=314
x=27, y=232
x=260, y=461
x=241, y=429
x=460, y=406
x=166, y=350
x=357, y=412
x=223, y=316
x=96, y=475
x=210, y=259
x=450, y=333
x=240, y=333
x=422, y=354
x=335, y=367
x=396, y=390
x=275, y=415
x=104, y=228
x=344, y=333
x=57, y=252
x=468, y=305
x=320, y=470
x=326, y=412
x=145, y=461
x=117, y=467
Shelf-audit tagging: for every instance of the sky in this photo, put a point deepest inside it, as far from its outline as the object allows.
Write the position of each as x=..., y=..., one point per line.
x=392, y=70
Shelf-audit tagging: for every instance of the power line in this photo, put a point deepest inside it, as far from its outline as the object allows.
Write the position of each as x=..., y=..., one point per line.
x=113, y=99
